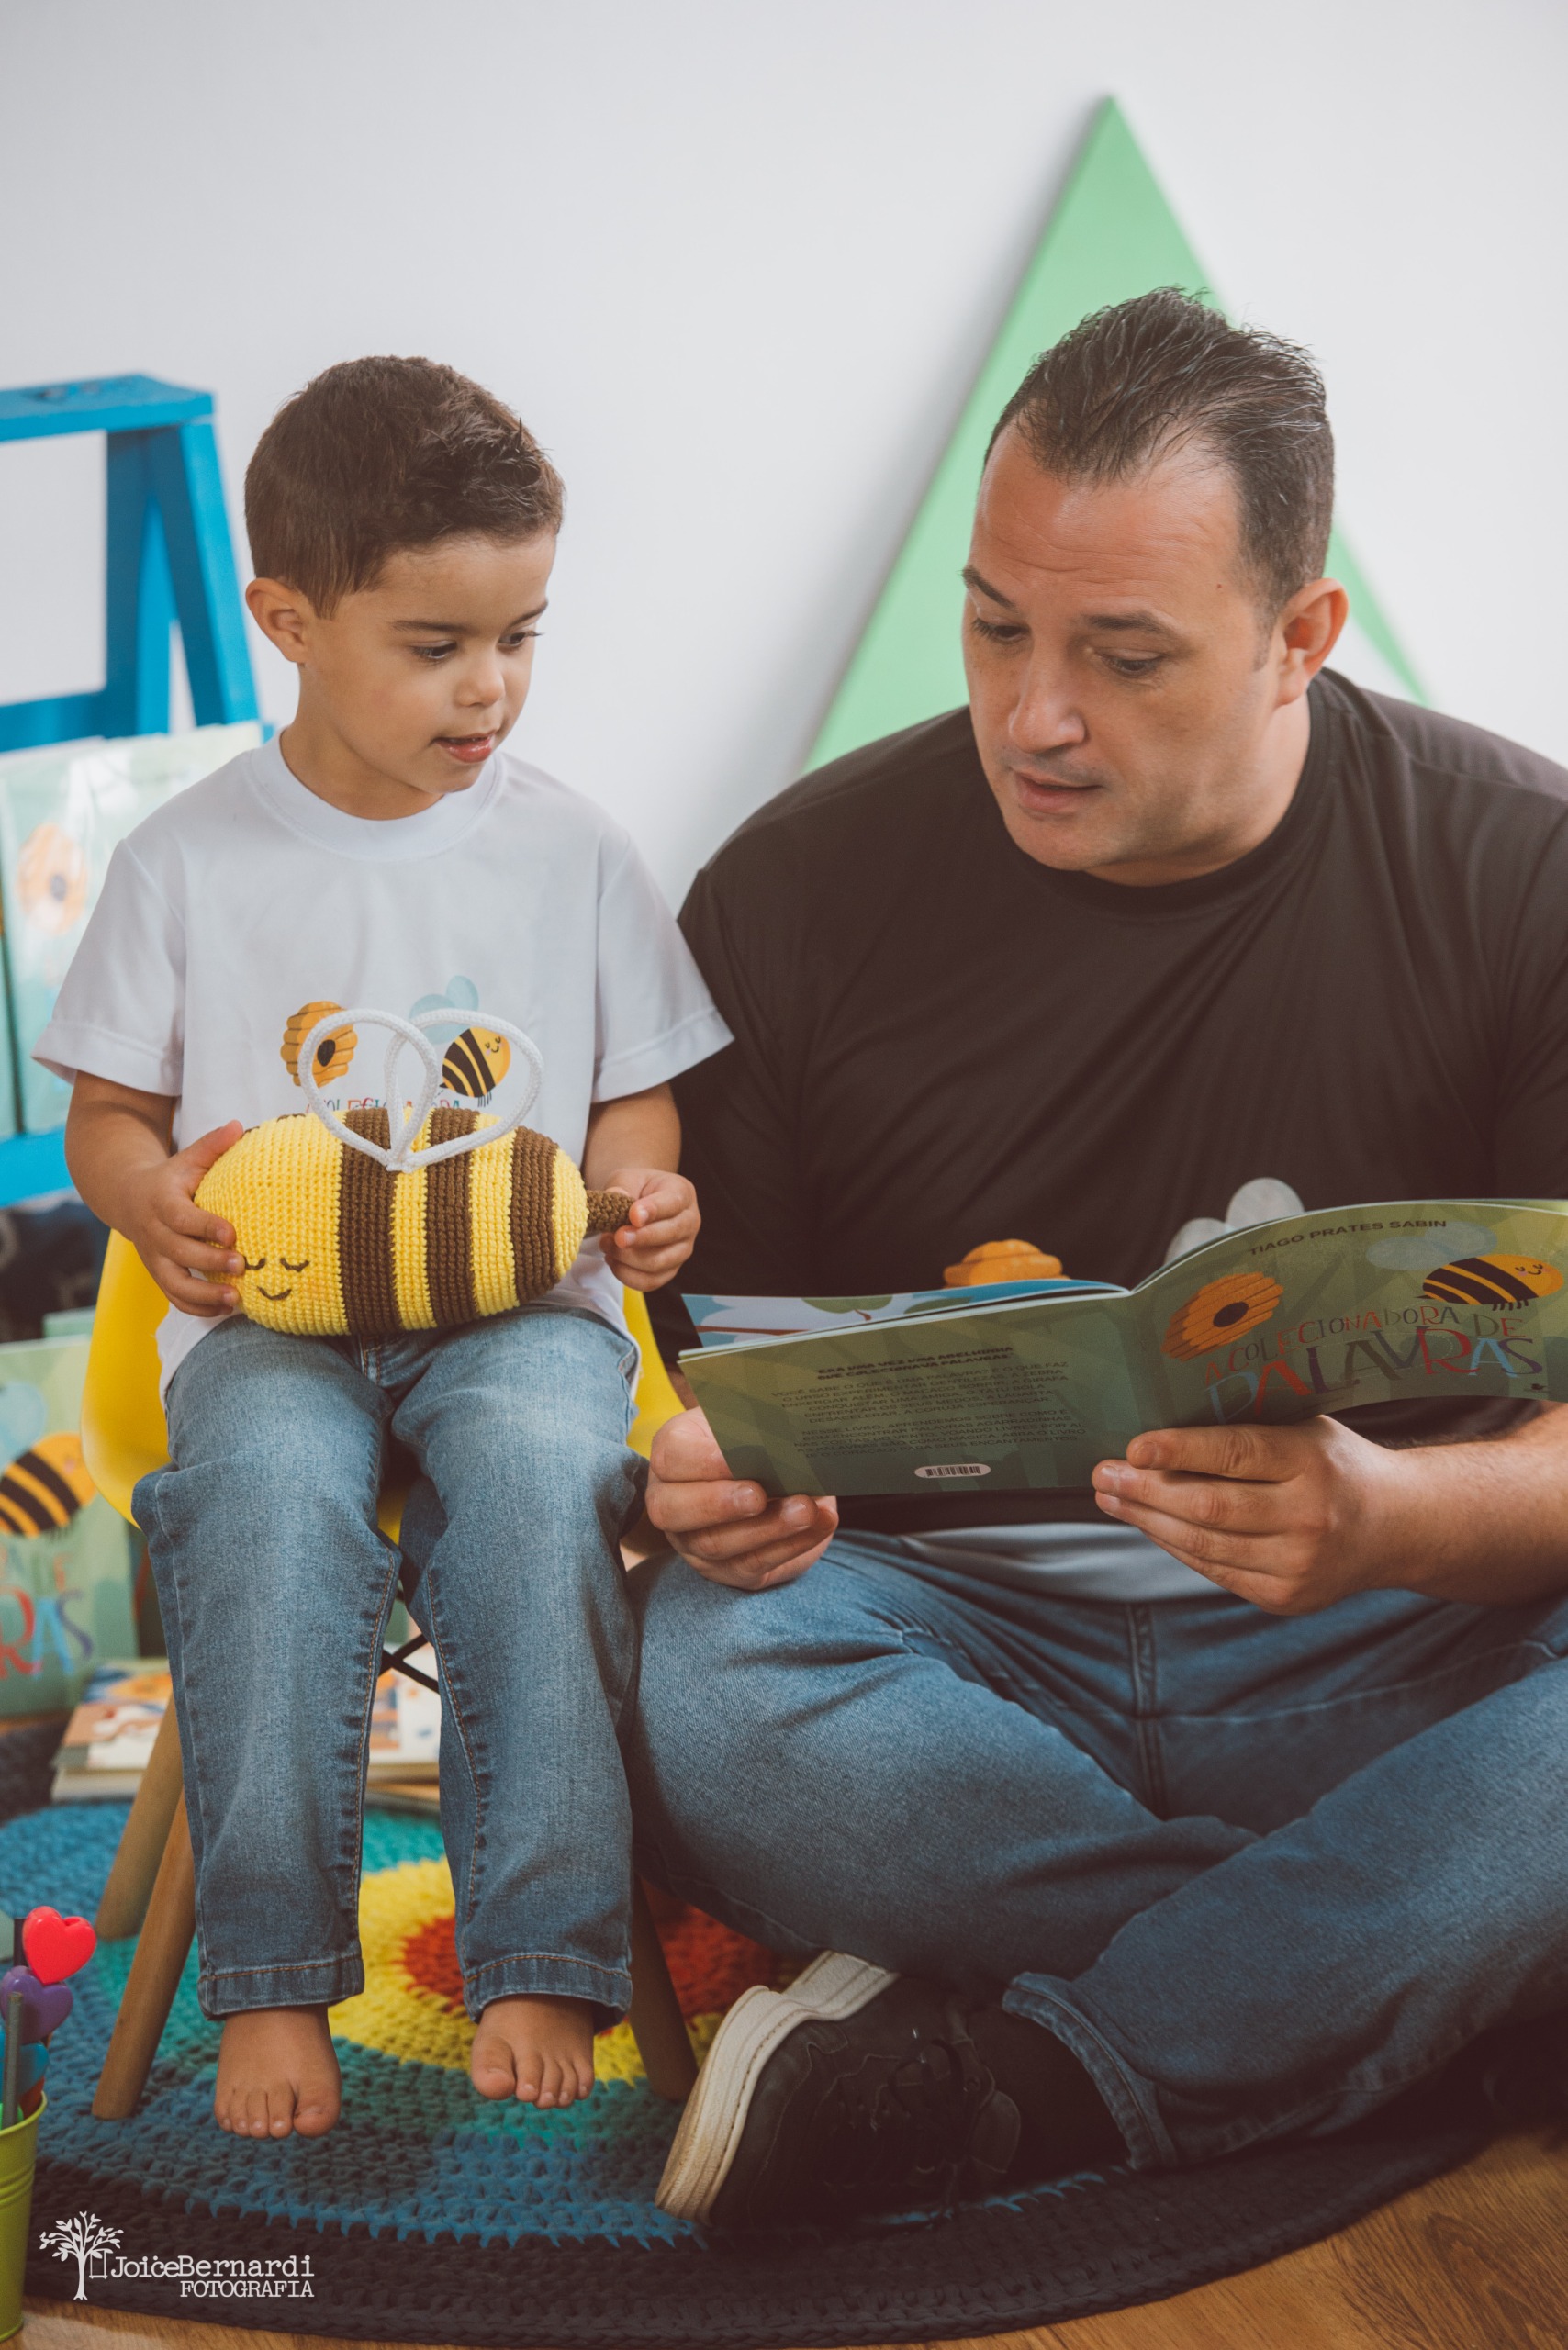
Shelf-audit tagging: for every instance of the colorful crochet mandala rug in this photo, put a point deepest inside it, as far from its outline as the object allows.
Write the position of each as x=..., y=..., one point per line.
x=430, y=2215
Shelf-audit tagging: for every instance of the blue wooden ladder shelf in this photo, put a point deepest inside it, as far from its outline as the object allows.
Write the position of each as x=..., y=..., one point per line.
x=169, y=557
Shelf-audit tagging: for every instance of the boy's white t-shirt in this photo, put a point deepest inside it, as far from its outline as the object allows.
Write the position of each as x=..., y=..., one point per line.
x=247, y=900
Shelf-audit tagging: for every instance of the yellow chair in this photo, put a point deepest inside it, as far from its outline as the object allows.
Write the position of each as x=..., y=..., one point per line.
x=151, y=1885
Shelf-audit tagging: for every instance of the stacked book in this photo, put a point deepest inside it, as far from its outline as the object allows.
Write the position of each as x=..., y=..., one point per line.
x=109, y=1739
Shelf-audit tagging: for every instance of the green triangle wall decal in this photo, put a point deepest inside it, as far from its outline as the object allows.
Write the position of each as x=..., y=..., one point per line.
x=1112, y=236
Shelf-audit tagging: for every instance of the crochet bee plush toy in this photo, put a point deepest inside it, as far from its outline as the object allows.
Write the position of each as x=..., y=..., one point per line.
x=348, y=1230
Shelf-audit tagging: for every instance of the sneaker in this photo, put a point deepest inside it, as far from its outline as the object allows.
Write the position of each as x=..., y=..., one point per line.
x=853, y=2091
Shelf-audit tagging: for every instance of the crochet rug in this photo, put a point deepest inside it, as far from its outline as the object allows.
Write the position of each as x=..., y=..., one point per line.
x=430, y=2215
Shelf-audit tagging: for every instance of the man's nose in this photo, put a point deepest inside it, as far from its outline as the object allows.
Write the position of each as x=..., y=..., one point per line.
x=1046, y=716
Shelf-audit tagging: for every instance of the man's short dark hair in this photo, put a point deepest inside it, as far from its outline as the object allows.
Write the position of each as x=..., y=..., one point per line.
x=1137, y=381
x=376, y=454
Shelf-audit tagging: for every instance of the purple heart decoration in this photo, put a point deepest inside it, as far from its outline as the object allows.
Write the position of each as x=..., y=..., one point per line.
x=45, y=2005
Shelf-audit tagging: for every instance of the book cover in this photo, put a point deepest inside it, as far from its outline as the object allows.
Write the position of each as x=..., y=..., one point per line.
x=65, y=1556
x=404, y=1726
x=63, y=810
x=108, y=1740
x=1314, y=1313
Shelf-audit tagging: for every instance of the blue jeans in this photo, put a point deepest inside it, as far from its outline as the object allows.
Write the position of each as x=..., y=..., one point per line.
x=1258, y=1873
x=276, y=1586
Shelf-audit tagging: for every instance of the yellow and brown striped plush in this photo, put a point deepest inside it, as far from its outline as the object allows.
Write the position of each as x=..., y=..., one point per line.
x=337, y=1245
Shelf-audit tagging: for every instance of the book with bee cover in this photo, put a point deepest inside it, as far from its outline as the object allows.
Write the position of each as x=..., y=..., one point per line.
x=65, y=1556
x=1403, y=1300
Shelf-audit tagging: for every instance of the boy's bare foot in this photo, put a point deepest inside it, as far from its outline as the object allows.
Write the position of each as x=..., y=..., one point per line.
x=276, y=2072
x=538, y=2049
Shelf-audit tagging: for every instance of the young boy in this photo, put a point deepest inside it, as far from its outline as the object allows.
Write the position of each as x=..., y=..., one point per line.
x=383, y=852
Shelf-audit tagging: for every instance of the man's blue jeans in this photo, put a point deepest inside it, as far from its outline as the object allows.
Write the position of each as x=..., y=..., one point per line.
x=1258, y=1873
x=274, y=1586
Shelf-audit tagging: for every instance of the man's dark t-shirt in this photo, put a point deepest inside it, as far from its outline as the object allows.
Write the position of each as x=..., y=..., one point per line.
x=940, y=1042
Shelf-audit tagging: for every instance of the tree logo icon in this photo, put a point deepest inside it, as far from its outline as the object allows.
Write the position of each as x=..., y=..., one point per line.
x=79, y=2240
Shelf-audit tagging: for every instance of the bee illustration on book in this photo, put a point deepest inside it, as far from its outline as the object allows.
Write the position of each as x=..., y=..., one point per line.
x=1494, y=1280
x=44, y=1487
x=477, y=1056
x=353, y=1225
x=1219, y=1313
x=331, y=1055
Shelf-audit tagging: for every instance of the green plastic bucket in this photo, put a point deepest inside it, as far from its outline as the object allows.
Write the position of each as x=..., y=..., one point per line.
x=19, y=2148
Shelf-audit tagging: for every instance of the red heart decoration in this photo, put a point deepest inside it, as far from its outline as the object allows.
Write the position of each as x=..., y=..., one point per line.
x=56, y=1946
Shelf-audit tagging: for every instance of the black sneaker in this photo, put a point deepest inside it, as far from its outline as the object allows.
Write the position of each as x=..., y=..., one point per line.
x=853, y=2091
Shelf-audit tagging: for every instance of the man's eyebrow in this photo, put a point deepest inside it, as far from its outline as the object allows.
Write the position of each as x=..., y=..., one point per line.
x=971, y=578
x=1148, y=623
x=458, y=627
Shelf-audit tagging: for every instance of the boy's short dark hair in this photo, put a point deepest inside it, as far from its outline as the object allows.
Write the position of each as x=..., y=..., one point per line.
x=1135, y=382
x=376, y=454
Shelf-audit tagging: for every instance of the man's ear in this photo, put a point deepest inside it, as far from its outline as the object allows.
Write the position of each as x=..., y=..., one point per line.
x=1306, y=632
x=284, y=615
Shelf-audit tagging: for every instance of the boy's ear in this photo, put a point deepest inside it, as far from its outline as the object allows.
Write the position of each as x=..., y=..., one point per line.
x=283, y=616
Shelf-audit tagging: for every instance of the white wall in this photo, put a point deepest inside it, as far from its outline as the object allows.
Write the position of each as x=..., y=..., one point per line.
x=735, y=260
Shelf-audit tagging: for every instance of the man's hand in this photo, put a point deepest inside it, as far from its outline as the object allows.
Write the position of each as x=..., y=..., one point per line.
x=1291, y=1519
x=725, y=1526
x=657, y=1237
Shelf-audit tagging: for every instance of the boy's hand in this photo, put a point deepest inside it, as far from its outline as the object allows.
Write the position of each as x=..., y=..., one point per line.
x=176, y=1240
x=660, y=1231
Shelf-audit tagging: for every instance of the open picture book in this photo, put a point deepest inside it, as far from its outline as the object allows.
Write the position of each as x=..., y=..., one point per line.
x=939, y=1391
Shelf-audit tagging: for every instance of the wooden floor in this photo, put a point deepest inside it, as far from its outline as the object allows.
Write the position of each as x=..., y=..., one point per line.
x=1478, y=2261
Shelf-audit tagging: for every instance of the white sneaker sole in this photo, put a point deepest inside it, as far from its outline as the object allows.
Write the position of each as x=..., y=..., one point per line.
x=833, y=1985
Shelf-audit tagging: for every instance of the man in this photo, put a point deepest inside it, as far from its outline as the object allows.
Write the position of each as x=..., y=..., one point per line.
x=1237, y=1811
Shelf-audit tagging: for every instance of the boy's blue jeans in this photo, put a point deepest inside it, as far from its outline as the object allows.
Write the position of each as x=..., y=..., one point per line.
x=274, y=1586
x=1258, y=1873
